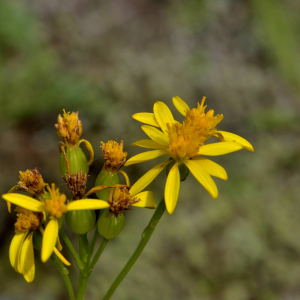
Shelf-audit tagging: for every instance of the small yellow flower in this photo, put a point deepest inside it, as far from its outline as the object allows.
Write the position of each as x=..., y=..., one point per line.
x=55, y=207
x=21, y=254
x=121, y=199
x=21, y=248
x=113, y=155
x=69, y=127
x=185, y=143
x=31, y=181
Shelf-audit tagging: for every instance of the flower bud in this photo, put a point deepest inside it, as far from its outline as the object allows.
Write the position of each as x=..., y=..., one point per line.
x=114, y=159
x=80, y=221
x=105, y=178
x=110, y=225
x=76, y=159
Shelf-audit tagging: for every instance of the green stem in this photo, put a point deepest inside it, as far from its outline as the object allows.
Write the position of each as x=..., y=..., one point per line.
x=144, y=240
x=71, y=248
x=83, y=278
x=83, y=247
x=92, y=247
x=84, y=274
x=65, y=275
x=98, y=253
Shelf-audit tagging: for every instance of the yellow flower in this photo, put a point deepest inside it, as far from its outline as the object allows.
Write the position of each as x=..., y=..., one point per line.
x=55, y=208
x=121, y=199
x=185, y=143
x=69, y=127
x=114, y=156
x=21, y=254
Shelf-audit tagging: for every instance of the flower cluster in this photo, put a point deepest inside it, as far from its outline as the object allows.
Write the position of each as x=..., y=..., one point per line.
x=40, y=213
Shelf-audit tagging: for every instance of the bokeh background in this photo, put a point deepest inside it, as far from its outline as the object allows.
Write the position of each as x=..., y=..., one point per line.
x=111, y=59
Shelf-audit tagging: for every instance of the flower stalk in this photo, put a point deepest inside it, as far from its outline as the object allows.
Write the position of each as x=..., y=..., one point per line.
x=146, y=235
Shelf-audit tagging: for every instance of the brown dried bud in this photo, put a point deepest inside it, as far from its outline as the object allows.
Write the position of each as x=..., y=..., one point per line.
x=120, y=200
x=76, y=184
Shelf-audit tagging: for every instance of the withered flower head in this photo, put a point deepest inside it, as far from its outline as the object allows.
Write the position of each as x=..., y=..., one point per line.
x=27, y=219
x=113, y=155
x=31, y=181
x=120, y=200
x=69, y=127
x=76, y=184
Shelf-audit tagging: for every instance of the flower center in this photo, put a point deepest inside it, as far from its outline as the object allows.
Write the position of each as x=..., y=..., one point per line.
x=204, y=122
x=27, y=220
x=56, y=206
x=187, y=138
x=113, y=155
x=120, y=200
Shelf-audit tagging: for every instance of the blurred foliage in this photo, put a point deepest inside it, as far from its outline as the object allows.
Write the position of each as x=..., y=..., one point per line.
x=110, y=59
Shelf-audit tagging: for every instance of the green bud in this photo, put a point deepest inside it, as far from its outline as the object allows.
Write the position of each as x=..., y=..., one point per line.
x=37, y=240
x=77, y=161
x=106, y=178
x=80, y=221
x=183, y=169
x=109, y=225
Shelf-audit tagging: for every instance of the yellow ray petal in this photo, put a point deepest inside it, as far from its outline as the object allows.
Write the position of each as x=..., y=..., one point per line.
x=148, y=144
x=231, y=137
x=211, y=167
x=156, y=135
x=87, y=204
x=24, y=201
x=163, y=115
x=49, y=239
x=15, y=250
x=203, y=177
x=146, y=200
x=60, y=256
x=147, y=118
x=172, y=188
x=181, y=106
x=145, y=156
x=219, y=148
x=27, y=259
x=147, y=178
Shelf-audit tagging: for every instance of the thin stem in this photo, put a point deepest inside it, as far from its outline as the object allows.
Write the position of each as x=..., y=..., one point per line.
x=83, y=278
x=65, y=275
x=83, y=247
x=98, y=253
x=144, y=240
x=84, y=274
x=71, y=248
x=92, y=246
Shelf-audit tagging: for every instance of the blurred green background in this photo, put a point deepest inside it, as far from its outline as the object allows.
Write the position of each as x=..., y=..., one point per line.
x=111, y=59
